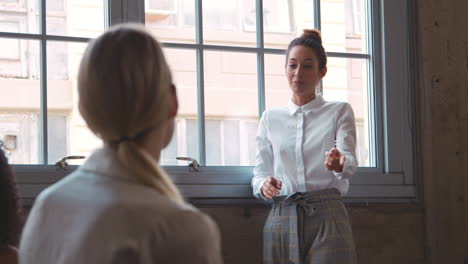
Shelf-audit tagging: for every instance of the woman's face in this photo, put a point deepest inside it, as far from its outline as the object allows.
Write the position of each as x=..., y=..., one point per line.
x=173, y=108
x=302, y=71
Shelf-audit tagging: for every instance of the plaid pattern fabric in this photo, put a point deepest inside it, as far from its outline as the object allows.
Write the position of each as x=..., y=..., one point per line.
x=310, y=227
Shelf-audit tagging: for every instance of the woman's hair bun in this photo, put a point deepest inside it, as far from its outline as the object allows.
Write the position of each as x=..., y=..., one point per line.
x=313, y=34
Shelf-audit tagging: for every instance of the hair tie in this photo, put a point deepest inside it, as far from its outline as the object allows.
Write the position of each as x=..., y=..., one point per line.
x=139, y=134
x=122, y=140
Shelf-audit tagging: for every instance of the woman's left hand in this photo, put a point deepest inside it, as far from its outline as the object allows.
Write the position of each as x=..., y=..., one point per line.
x=334, y=160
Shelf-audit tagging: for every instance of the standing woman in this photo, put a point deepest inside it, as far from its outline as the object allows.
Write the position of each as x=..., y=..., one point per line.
x=10, y=215
x=121, y=206
x=306, y=153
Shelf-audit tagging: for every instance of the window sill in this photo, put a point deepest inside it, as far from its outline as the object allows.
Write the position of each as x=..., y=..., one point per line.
x=227, y=185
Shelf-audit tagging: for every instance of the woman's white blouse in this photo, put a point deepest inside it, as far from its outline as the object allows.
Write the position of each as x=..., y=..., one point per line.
x=292, y=141
x=101, y=214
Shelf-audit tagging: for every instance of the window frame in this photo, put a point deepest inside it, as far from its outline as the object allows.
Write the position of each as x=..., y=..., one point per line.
x=388, y=54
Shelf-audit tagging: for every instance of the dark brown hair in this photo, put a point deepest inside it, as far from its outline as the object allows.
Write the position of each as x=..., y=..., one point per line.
x=311, y=38
x=10, y=219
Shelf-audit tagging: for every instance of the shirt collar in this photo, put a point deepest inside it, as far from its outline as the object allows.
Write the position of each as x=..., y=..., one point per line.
x=104, y=161
x=293, y=108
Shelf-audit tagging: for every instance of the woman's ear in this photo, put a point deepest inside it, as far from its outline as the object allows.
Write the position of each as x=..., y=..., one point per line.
x=323, y=72
x=174, y=106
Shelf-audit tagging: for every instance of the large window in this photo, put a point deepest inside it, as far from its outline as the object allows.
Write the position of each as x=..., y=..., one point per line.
x=239, y=60
x=228, y=61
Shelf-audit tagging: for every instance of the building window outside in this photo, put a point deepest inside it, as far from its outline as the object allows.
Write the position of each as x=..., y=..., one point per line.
x=20, y=76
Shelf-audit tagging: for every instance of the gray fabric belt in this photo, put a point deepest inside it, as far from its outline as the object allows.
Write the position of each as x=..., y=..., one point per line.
x=306, y=200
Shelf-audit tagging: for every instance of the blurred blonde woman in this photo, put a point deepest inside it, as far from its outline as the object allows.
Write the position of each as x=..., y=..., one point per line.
x=120, y=206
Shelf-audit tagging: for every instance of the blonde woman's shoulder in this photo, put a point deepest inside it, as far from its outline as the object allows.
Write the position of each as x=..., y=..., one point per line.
x=171, y=231
x=188, y=236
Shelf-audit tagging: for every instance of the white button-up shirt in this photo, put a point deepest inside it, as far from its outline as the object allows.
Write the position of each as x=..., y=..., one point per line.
x=101, y=214
x=292, y=141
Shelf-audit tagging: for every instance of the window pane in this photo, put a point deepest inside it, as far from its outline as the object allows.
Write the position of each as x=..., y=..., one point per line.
x=343, y=25
x=251, y=132
x=19, y=16
x=277, y=92
x=184, y=142
x=284, y=20
x=65, y=17
x=171, y=20
x=68, y=132
x=231, y=105
x=229, y=22
x=20, y=100
x=191, y=132
x=346, y=81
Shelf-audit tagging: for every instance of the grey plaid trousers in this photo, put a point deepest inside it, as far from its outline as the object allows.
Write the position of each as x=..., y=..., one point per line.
x=310, y=227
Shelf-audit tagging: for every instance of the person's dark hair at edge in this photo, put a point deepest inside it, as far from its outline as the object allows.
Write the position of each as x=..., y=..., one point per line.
x=311, y=38
x=10, y=219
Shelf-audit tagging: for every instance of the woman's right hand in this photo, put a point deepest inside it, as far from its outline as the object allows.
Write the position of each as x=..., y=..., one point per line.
x=271, y=187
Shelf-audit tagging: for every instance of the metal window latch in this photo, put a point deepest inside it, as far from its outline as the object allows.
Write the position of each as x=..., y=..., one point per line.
x=194, y=165
x=9, y=142
x=63, y=162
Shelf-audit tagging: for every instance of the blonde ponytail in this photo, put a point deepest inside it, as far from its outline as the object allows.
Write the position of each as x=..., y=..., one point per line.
x=146, y=169
x=124, y=86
